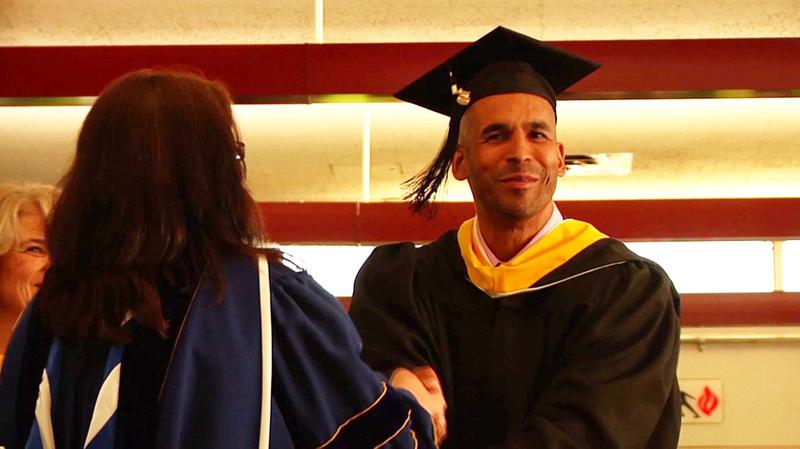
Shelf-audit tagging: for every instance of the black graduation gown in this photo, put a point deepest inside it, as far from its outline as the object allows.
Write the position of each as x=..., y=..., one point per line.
x=587, y=361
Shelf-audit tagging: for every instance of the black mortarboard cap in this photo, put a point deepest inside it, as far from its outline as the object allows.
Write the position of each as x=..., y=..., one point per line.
x=502, y=61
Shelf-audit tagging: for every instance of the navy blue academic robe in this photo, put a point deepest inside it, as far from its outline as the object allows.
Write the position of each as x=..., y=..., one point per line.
x=321, y=394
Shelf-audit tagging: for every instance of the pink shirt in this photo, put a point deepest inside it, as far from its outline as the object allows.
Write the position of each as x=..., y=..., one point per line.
x=552, y=222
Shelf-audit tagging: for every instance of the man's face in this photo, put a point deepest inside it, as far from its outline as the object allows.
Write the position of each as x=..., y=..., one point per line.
x=22, y=268
x=509, y=155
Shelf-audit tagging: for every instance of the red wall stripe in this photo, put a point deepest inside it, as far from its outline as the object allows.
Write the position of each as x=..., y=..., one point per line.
x=769, y=64
x=632, y=220
x=311, y=222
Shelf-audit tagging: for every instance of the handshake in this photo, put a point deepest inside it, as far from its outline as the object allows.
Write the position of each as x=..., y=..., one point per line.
x=424, y=384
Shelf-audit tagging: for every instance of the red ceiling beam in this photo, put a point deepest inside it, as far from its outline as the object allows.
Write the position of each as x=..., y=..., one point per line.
x=304, y=70
x=84, y=71
x=690, y=219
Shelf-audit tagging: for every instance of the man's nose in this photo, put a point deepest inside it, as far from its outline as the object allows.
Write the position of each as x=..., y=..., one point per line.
x=519, y=147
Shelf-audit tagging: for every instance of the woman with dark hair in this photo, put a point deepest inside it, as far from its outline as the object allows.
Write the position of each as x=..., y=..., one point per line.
x=161, y=324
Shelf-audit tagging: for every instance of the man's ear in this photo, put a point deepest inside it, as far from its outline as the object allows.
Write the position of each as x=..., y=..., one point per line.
x=562, y=160
x=459, y=165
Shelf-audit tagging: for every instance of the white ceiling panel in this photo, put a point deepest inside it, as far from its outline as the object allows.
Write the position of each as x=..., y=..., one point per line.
x=668, y=19
x=155, y=22
x=421, y=20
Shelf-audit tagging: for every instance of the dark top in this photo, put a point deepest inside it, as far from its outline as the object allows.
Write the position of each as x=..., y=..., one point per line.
x=585, y=362
x=144, y=364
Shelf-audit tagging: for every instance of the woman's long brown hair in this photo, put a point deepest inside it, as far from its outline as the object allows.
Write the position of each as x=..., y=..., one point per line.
x=156, y=193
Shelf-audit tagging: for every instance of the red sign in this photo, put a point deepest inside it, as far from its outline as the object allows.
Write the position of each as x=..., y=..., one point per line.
x=708, y=401
x=701, y=400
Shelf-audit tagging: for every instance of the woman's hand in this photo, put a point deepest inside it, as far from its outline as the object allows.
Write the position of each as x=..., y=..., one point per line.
x=424, y=384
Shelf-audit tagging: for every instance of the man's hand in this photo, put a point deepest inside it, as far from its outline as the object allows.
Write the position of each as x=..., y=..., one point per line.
x=424, y=384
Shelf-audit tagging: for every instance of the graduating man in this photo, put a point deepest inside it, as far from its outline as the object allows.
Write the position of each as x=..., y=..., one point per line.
x=532, y=330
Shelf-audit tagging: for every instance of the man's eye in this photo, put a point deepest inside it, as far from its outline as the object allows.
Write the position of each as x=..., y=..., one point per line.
x=538, y=135
x=494, y=137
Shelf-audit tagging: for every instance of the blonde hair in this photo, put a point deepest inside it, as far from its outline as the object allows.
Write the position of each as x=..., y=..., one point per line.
x=13, y=197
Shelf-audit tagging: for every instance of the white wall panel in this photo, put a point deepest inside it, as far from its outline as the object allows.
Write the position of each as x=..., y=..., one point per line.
x=726, y=148
x=722, y=148
x=681, y=148
x=761, y=391
x=303, y=152
x=405, y=139
x=37, y=143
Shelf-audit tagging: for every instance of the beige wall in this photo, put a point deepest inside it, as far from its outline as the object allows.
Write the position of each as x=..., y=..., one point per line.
x=761, y=383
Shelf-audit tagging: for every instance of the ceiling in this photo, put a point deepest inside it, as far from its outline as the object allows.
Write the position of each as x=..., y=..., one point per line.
x=699, y=148
x=155, y=22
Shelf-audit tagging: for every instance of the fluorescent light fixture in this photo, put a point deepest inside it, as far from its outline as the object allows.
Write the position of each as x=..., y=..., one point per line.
x=332, y=266
x=714, y=267
x=694, y=267
x=791, y=265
